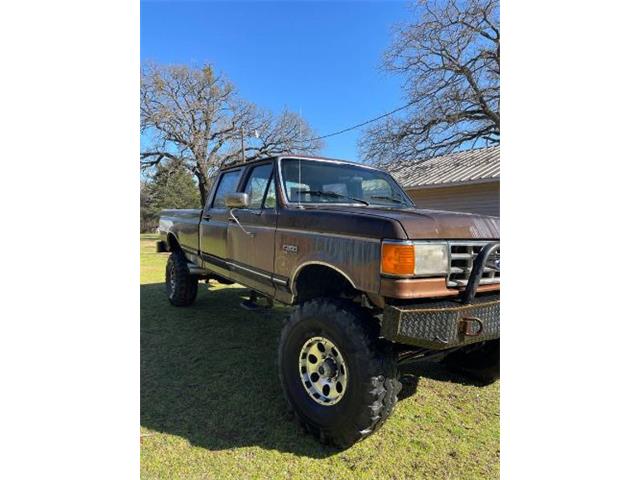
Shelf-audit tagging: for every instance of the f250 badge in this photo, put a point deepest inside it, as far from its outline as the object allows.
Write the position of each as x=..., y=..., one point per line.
x=290, y=248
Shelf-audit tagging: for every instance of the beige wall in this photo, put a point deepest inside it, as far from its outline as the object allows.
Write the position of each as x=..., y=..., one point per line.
x=481, y=198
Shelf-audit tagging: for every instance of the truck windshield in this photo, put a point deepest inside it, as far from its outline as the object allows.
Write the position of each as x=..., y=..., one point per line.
x=308, y=181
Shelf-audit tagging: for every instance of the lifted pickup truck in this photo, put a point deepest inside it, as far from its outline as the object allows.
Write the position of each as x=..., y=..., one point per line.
x=375, y=281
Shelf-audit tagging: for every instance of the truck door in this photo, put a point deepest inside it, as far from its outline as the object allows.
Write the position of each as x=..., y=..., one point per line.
x=251, y=254
x=215, y=221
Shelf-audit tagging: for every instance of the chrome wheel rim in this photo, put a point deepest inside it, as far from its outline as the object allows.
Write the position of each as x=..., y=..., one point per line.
x=323, y=371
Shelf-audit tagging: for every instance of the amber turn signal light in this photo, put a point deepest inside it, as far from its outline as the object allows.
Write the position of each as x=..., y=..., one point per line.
x=398, y=259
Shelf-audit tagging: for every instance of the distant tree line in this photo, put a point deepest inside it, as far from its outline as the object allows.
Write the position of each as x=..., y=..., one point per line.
x=170, y=186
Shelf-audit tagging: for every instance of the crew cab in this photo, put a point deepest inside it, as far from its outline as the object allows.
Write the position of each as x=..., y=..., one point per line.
x=375, y=281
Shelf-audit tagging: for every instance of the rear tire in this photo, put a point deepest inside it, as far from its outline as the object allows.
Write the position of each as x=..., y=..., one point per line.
x=181, y=286
x=371, y=385
x=481, y=362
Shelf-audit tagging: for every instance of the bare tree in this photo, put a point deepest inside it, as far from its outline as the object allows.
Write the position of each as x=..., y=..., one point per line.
x=450, y=58
x=195, y=116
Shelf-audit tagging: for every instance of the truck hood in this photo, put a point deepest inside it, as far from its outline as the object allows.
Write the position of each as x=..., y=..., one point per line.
x=419, y=223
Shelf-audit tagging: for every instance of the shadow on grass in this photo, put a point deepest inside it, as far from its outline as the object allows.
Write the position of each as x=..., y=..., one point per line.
x=410, y=375
x=208, y=373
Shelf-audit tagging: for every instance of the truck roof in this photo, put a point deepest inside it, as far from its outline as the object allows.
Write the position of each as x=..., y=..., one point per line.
x=301, y=157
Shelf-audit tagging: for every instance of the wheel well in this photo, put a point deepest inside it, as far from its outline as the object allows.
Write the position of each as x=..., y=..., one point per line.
x=321, y=281
x=173, y=244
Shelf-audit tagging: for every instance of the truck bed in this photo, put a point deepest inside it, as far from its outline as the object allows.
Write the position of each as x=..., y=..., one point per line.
x=184, y=224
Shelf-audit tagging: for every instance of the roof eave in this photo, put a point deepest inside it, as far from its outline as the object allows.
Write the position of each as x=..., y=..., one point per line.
x=452, y=184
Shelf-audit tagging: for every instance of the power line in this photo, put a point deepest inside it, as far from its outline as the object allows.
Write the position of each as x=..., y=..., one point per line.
x=367, y=122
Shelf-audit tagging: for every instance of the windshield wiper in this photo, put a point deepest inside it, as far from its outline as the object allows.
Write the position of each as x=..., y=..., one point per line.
x=385, y=197
x=333, y=195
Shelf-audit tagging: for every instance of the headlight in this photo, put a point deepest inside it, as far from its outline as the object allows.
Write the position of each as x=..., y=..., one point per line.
x=432, y=259
x=409, y=258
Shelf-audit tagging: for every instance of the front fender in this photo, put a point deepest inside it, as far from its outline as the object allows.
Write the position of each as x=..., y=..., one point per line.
x=357, y=259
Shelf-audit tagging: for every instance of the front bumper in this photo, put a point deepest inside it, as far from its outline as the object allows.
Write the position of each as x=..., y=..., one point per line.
x=443, y=324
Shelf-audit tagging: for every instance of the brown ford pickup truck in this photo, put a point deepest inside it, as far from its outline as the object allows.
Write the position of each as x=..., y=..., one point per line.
x=375, y=281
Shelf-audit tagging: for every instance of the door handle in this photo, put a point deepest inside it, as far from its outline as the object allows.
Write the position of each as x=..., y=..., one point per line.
x=232, y=218
x=206, y=217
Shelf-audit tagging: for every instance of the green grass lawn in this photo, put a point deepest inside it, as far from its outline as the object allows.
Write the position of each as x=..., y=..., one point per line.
x=211, y=407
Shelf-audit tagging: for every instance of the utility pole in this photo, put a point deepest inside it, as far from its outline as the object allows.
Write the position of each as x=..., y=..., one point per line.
x=242, y=143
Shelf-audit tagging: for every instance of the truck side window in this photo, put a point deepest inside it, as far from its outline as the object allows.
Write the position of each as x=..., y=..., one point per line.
x=257, y=184
x=376, y=186
x=270, y=199
x=226, y=185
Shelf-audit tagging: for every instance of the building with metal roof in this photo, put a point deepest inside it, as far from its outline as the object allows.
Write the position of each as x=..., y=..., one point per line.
x=467, y=181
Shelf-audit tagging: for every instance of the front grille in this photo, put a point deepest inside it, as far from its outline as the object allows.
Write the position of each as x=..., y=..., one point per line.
x=462, y=255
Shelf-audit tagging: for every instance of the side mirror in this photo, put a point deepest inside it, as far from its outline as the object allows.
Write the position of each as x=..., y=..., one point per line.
x=237, y=200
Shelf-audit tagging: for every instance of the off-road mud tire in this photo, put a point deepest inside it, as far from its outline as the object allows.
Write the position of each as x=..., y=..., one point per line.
x=185, y=288
x=373, y=385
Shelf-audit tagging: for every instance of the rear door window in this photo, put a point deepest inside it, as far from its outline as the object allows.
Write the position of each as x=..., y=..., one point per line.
x=227, y=184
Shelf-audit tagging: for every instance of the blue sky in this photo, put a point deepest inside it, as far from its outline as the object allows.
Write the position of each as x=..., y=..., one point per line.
x=321, y=59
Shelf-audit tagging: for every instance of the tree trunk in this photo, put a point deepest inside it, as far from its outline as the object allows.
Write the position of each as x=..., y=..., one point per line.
x=204, y=184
